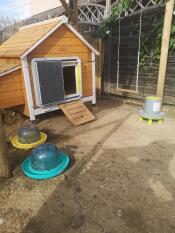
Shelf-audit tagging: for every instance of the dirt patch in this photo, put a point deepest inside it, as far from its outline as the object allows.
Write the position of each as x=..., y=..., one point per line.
x=91, y=202
x=121, y=178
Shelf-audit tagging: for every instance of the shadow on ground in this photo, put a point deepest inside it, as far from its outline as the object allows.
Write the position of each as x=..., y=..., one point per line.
x=127, y=190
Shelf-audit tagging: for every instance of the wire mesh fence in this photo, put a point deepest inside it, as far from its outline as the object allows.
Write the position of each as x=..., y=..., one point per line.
x=121, y=53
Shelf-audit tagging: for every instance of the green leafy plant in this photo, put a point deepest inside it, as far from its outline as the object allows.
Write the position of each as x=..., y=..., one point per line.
x=158, y=32
x=121, y=7
x=144, y=52
x=155, y=33
x=117, y=11
x=104, y=28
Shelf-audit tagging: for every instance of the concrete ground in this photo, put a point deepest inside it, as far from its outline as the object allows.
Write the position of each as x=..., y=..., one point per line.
x=121, y=178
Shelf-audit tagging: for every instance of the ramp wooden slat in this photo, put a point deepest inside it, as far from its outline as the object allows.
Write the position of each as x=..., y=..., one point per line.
x=77, y=112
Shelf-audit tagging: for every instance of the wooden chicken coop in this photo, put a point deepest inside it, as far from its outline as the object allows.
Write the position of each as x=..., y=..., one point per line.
x=45, y=65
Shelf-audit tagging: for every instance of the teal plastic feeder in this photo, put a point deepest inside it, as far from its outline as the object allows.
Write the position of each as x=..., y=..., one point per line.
x=45, y=161
x=152, y=109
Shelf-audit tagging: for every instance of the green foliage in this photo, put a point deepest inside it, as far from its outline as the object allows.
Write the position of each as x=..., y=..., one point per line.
x=104, y=28
x=157, y=31
x=144, y=52
x=120, y=8
x=117, y=11
x=155, y=35
x=150, y=41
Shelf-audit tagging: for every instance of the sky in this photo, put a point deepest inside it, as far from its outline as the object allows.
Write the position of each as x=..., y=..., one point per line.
x=16, y=9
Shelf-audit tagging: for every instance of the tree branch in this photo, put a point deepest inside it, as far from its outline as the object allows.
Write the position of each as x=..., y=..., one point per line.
x=67, y=8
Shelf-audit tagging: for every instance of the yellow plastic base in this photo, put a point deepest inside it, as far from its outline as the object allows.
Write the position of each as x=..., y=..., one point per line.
x=160, y=122
x=19, y=145
x=140, y=118
x=150, y=121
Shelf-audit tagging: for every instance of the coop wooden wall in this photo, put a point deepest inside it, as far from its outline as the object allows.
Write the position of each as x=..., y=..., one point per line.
x=13, y=60
x=63, y=43
x=12, y=90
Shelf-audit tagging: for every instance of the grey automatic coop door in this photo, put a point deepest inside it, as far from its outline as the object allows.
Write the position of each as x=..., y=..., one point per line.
x=51, y=81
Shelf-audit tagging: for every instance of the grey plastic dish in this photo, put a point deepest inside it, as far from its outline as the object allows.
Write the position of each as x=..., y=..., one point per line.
x=28, y=134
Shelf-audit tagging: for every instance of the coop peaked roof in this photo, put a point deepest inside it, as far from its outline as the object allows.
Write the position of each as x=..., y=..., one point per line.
x=29, y=37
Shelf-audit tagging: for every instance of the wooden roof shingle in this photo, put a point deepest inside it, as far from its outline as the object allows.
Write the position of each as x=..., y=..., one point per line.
x=26, y=37
x=29, y=37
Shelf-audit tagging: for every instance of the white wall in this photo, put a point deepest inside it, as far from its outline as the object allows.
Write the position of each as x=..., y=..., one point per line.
x=38, y=6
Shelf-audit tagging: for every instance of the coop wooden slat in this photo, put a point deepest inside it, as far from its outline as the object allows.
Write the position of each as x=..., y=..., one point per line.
x=72, y=105
x=74, y=110
x=83, y=56
x=54, y=48
x=77, y=112
x=79, y=115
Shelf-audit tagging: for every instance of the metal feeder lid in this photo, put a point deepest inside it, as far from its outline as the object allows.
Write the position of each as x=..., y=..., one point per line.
x=28, y=134
x=45, y=157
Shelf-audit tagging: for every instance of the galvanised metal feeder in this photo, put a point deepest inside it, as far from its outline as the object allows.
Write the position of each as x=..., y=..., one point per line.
x=152, y=110
x=28, y=137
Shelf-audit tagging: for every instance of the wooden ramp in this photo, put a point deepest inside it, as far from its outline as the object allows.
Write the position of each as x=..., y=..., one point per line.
x=77, y=112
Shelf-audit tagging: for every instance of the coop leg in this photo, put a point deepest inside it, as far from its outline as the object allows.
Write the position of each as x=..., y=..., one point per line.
x=5, y=170
x=160, y=122
x=150, y=122
x=140, y=118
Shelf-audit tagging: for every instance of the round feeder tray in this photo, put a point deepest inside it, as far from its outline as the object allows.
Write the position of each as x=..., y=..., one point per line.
x=45, y=174
x=15, y=142
x=159, y=117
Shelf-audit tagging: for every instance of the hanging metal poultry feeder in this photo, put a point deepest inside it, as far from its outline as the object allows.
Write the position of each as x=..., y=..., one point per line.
x=28, y=137
x=45, y=162
x=152, y=110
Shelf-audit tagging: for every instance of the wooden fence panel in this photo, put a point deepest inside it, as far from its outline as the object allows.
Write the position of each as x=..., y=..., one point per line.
x=128, y=61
